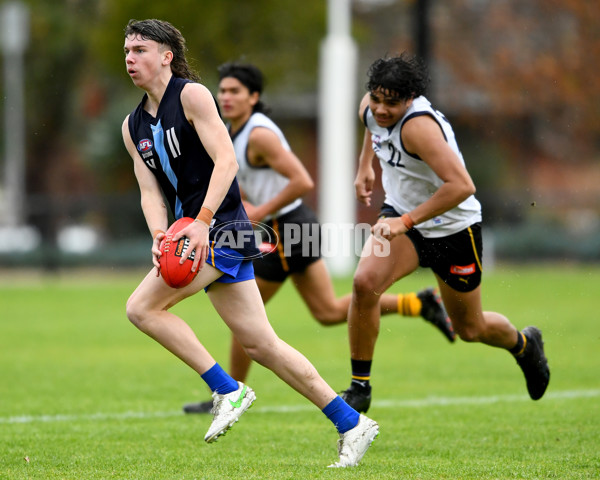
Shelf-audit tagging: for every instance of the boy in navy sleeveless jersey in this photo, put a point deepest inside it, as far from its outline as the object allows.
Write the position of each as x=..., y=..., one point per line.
x=430, y=219
x=273, y=181
x=180, y=148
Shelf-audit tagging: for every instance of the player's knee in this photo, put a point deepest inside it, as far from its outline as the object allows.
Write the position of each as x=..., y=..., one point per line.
x=134, y=312
x=326, y=321
x=328, y=317
x=364, y=287
x=470, y=333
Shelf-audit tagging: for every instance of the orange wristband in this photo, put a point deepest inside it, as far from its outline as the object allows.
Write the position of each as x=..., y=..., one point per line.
x=407, y=221
x=205, y=216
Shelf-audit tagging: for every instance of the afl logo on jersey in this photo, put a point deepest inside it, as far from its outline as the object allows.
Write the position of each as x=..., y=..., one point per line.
x=144, y=145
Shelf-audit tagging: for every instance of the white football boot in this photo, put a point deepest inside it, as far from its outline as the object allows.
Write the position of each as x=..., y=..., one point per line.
x=227, y=409
x=353, y=444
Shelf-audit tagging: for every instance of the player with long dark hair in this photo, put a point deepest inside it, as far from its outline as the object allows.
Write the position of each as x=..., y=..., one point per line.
x=181, y=148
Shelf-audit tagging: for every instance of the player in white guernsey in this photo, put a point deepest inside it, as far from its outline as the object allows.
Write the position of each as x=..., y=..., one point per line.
x=273, y=180
x=430, y=218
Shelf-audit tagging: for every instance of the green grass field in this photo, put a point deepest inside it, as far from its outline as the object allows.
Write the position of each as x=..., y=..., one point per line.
x=84, y=395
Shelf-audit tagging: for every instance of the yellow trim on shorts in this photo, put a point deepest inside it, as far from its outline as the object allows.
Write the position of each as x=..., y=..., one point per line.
x=284, y=263
x=475, y=249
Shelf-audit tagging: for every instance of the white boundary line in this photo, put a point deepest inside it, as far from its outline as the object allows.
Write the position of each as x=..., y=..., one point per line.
x=417, y=403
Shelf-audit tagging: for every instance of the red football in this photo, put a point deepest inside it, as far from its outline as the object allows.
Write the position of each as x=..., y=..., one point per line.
x=174, y=274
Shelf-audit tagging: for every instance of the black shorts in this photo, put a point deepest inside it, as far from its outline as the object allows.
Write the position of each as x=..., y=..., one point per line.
x=455, y=258
x=299, y=235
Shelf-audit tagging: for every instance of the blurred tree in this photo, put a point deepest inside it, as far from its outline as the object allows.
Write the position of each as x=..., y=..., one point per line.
x=281, y=36
x=520, y=82
x=77, y=83
x=57, y=49
x=77, y=78
x=522, y=76
x=534, y=60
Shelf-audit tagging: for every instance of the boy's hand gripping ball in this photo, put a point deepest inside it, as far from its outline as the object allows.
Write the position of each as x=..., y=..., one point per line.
x=175, y=274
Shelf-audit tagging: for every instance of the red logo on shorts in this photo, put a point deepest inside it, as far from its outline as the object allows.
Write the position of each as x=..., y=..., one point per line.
x=266, y=247
x=462, y=269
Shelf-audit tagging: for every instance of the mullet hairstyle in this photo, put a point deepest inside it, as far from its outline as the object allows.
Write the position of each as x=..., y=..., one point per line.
x=402, y=76
x=165, y=34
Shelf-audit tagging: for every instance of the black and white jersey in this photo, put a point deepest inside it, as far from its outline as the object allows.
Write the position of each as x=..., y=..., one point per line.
x=260, y=184
x=408, y=181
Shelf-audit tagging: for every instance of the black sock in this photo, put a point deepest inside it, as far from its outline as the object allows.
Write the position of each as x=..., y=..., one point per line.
x=361, y=372
x=519, y=348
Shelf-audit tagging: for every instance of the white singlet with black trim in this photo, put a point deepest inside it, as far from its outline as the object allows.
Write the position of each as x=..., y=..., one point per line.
x=408, y=181
x=260, y=184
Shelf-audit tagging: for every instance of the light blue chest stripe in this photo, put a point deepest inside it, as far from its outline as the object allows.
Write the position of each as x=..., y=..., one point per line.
x=158, y=135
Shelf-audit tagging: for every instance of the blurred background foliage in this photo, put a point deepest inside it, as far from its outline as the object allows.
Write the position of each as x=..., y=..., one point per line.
x=519, y=81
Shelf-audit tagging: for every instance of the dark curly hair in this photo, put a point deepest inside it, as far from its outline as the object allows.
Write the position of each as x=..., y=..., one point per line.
x=402, y=76
x=165, y=34
x=249, y=76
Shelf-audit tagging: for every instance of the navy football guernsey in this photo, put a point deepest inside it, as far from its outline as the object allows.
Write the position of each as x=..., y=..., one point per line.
x=170, y=147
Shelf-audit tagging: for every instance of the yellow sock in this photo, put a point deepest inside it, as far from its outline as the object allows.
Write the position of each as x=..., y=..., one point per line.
x=409, y=305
